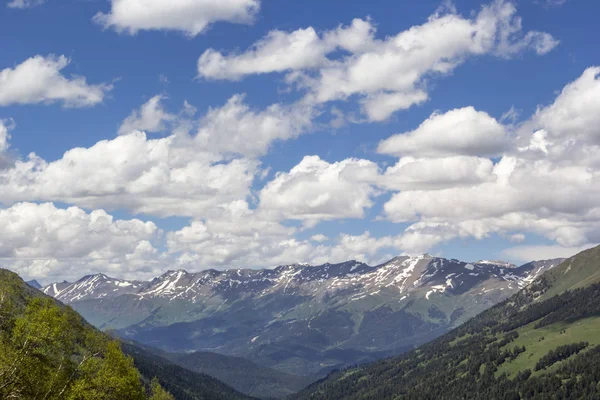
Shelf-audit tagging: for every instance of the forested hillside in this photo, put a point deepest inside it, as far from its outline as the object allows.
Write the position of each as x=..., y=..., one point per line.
x=531, y=346
x=183, y=383
x=241, y=374
x=48, y=351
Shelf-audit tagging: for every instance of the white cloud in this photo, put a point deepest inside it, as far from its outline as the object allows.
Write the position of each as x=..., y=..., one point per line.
x=189, y=16
x=528, y=253
x=510, y=40
x=517, y=238
x=573, y=115
x=236, y=128
x=39, y=80
x=547, y=182
x=151, y=117
x=241, y=237
x=316, y=190
x=381, y=106
x=4, y=135
x=277, y=52
x=235, y=236
x=22, y=4
x=161, y=177
x=387, y=74
x=232, y=129
x=437, y=173
x=552, y=3
x=6, y=159
x=319, y=238
x=421, y=237
x=463, y=131
x=41, y=240
x=360, y=247
x=177, y=175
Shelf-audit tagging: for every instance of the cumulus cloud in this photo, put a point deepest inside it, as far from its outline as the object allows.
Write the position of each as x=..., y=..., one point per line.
x=387, y=74
x=236, y=128
x=6, y=159
x=573, y=115
x=22, y=4
x=282, y=51
x=235, y=236
x=319, y=238
x=546, y=183
x=422, y=236
x=528, y=253
x=242, y=237
x=189, y=16
x=160, y=177
x=232, y=129
x=151, y=117
x=4, y=135
x=412, y=173
x=183, y=174
x=39, y=80
x=464, y=131
x=316, y=190
x=41, y=240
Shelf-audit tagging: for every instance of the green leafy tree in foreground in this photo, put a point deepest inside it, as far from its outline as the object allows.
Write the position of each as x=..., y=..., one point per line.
x=158, y=393
x=48, y=352
x=110, y=377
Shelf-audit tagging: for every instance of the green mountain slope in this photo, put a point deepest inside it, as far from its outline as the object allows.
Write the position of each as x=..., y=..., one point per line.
x=241, y=374
x=183, y=383
x=576, y=272
x=48, y=351
x=542, y=343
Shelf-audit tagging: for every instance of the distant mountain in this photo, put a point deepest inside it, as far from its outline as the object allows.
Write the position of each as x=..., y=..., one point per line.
x=300, y=319
x=541, y=343
x=34, y=284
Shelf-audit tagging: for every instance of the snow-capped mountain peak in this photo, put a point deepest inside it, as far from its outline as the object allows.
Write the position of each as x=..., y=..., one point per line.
x=91, y=287
x=401, y=275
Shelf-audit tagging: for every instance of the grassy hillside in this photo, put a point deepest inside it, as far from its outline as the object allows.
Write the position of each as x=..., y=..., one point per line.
x=541, y=343
x=576, y=272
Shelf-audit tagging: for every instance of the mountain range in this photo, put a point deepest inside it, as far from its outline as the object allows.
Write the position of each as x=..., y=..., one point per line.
x=299, y=319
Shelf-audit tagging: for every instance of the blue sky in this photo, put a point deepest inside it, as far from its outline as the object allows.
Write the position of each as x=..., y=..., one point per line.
x=325, y=100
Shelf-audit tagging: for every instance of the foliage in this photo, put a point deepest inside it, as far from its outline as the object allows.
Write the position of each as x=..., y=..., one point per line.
x=182, y=383
x=157, y=392
x=47, y=351
x=559, y=354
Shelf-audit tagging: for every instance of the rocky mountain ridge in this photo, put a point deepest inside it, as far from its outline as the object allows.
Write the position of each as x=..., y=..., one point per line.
x=298, y=318
x=403, y=273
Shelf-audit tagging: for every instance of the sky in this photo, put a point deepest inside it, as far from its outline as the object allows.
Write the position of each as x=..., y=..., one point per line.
x=140, y=136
